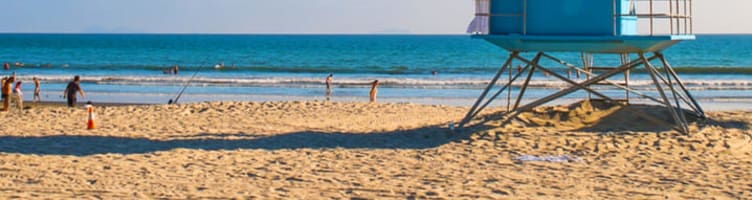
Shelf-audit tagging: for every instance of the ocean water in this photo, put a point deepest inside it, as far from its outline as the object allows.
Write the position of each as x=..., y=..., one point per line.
x=129, y=67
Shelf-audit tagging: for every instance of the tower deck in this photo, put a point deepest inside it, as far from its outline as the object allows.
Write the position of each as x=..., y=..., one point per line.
x=589, y=44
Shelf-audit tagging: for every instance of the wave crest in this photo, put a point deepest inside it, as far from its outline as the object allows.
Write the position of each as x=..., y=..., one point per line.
x=428, y=83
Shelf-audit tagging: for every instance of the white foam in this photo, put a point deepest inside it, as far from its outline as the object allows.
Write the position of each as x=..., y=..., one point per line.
x=458, y=83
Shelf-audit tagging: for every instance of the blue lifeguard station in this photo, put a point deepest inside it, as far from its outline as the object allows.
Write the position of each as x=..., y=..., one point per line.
x=619, y=27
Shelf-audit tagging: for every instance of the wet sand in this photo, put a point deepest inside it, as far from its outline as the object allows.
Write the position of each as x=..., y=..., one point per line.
x=322, y=150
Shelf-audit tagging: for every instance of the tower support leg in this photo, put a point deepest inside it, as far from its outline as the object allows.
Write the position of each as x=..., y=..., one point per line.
x=696, y=106
x=471, y=114
x=527, y=80
x=652, y=71
x=505, y=87
x=675, y=94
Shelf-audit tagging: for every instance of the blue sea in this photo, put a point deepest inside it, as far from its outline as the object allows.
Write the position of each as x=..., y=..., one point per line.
x=130, y=67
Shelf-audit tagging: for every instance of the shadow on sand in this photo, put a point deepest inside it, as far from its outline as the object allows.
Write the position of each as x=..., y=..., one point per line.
x=654, y=118
x=422, y=138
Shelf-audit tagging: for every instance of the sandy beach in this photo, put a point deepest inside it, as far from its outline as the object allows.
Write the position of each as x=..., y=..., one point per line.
x=324, y=150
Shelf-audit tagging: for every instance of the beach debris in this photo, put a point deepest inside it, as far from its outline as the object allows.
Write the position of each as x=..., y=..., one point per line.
x=557, y=158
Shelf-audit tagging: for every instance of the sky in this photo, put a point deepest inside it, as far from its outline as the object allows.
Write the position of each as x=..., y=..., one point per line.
x=288, y=16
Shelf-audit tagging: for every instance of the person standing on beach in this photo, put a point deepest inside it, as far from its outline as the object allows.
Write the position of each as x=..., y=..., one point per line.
x=176, y=69
x=7, y=85
x=19, y=95
x=37, y=89
x=71, y=89
x=374, y=90
x=329, y=80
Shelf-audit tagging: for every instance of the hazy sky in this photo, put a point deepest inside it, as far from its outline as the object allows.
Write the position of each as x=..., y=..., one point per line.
x=288, y=16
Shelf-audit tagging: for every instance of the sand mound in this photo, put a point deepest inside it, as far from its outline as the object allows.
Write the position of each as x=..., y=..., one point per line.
x=599, y=116
x=610, y=127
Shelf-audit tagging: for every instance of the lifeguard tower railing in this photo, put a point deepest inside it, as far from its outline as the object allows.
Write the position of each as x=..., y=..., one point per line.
x=622, y=27
x=674, y=15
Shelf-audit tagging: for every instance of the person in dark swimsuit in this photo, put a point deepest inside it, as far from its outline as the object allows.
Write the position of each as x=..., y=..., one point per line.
x=7, y=88
x=71, y=90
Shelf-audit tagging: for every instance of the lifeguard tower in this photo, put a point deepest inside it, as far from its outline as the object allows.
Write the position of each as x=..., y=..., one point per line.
x=620, y=28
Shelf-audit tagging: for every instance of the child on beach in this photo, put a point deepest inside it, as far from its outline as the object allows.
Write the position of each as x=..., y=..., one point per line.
x=19, y=95
x=374, y=90
x=71, y=90
x=37, y=89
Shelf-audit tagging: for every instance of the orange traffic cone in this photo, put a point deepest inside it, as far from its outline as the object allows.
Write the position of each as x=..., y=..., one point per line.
x=90, y=124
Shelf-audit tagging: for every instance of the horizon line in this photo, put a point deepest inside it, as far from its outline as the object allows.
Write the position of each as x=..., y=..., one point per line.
x=208, y=33
x=281, y=33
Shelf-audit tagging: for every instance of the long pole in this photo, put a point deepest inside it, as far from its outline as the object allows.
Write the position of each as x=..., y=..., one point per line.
x=184, y=87
x=188, y=83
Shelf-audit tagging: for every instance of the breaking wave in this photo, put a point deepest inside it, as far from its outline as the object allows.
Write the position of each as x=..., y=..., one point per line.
x=303, y=82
